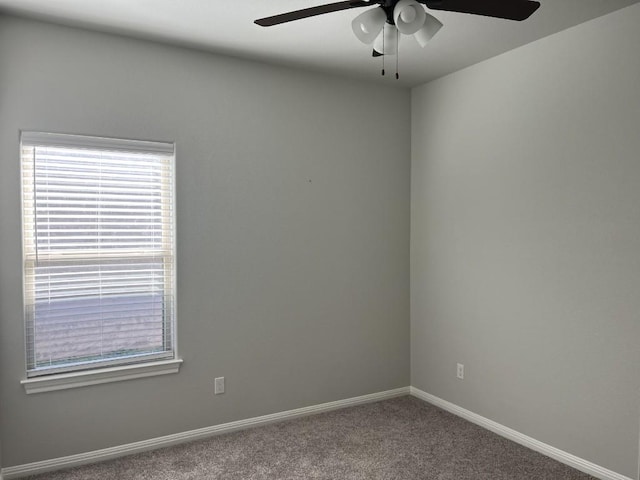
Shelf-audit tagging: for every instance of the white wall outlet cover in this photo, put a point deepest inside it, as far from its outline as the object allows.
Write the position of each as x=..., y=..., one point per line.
x=219, y=385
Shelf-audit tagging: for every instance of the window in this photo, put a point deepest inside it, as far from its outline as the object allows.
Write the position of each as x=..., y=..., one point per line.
x=99, y=263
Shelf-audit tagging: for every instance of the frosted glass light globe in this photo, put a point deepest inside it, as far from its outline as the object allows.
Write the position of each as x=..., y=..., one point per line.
x=368, y=25
x=408, y=14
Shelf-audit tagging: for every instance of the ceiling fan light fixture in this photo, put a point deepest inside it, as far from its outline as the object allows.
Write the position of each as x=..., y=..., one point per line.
x=409, y=16
x=430, y=27
x=367, y=25
x=386, y=42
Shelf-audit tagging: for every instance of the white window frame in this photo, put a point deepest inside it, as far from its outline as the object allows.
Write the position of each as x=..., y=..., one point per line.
x=89, y=373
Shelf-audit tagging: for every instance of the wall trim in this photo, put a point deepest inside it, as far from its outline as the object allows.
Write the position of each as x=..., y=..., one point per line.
x=515, y=436
x=62, y=381
x=571, y=460
x=18, y=471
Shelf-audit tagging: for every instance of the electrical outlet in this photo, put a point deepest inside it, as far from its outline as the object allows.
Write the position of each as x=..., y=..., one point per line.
x=219, y=385
x=460, y=371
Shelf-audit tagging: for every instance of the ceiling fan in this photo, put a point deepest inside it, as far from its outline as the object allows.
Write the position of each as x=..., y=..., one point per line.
x=381, y=26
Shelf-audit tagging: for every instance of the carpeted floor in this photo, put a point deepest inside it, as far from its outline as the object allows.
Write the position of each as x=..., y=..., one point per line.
x=399, y=439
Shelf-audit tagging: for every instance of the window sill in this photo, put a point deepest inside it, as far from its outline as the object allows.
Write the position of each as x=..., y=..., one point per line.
x=62, y=381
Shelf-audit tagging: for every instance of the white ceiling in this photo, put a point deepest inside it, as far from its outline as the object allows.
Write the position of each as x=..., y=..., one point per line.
x=322, y=43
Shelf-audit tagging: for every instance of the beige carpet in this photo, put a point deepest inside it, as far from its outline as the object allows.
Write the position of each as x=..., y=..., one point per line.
x=398, y=439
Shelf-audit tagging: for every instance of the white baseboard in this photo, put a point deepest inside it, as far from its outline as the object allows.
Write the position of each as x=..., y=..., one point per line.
x=553, y=452
x=177, y=438
x=174, y=439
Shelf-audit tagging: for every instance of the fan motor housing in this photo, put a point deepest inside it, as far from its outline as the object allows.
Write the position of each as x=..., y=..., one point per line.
x=388, y=7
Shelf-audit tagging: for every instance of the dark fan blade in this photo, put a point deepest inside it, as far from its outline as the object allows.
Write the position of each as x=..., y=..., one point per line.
x=509, y=9
x=312, y=12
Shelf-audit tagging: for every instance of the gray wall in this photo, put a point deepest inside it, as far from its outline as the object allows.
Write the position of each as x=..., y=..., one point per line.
x=292, y=231
x=293, y=243
x=525, y=242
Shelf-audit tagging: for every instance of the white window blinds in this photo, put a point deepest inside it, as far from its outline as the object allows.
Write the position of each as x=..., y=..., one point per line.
x=98, y=231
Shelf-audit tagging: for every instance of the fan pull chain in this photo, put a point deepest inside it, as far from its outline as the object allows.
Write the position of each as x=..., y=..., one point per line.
x=383, y=49
x=397, y=54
